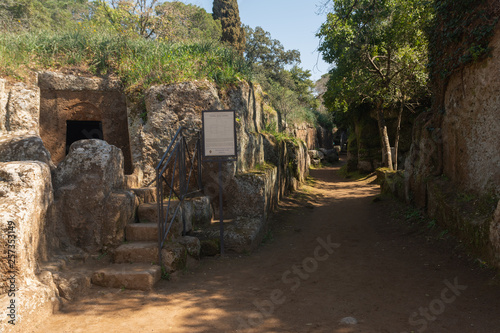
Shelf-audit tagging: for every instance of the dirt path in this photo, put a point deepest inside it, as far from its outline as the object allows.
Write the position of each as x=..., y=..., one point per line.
x=333, y=253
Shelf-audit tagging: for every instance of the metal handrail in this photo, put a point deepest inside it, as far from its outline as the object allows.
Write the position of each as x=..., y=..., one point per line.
x=176, y=162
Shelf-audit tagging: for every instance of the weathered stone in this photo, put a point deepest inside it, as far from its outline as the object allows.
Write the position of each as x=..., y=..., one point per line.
x=3, y=105
x=119, y=210
x=59, y=81
x=89, y=200
x=148, y=212
x=241, y=236
x=198, y=211
x=136, y=252
x=135, y=180
x=174, y=256
x=25, y=197
x=23, y=148
x=168, y=107
x=95, y=160
x=142, y=232
x=145, y=194
x=128, y=276
x=331, y=156
x=71, y=285
x=192, y=245
x=67, y=101
x=470, y=127
x=391, y=182
x=306, y=133
x=19, y=109
x=316, y=154
x=209, y=248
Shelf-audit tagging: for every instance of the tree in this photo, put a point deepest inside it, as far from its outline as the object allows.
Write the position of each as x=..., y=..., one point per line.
x=38, y=14
x=132, y=17
x=180, y=22
x=379, y=49
x=232, y=31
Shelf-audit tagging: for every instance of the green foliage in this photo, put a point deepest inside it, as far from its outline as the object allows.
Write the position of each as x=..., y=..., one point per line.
x=379, y=49
x=290, y=91
x=16, y=15
x=459, y=35
x=266, y=54
x=232, y=31
x=138, y=62
x=178, y=22
x=128, y=17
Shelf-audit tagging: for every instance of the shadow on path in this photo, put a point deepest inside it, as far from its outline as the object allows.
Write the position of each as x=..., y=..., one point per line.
x=333, y=253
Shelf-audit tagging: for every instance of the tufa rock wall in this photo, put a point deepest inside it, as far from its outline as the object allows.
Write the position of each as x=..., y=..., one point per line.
x=78, y=99
x=25, y=201
x=171, y=106
x=453, y=170
x=19, y=108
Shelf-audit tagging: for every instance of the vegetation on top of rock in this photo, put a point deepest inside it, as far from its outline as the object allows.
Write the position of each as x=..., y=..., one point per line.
x=459, y=35
x=145, y=43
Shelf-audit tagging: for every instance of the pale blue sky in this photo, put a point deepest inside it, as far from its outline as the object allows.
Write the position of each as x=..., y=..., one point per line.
x=293, y=23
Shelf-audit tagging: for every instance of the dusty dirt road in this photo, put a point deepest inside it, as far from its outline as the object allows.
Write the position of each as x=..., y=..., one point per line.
x=333, y=253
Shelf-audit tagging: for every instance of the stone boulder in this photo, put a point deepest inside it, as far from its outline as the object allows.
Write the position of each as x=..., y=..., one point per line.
x=23, y=148
x=93, y=162
x=19, y=108
x=331, y=155
x=198, y=211
x=168, y=107
x=91, y=204
x=25, y=199
x=316, y=154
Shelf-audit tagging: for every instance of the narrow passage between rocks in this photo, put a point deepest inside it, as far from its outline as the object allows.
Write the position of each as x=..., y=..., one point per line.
x=335, y=260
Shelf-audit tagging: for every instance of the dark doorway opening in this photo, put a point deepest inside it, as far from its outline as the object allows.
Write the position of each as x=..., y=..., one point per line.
x=82, y=130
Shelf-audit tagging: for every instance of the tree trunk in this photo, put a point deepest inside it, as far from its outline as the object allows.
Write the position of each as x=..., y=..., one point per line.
x=384, y=136
x=398, y=129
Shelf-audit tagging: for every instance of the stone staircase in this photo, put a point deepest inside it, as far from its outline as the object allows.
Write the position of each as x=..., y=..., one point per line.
x=135, y=263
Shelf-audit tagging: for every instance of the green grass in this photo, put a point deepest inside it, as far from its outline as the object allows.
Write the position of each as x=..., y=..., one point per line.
x=139, y=63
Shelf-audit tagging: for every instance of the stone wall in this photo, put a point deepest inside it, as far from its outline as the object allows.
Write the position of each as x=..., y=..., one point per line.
x=171, y=106
x=25, y=201
x=453, y=170
x=19, y=108
x=66, y=98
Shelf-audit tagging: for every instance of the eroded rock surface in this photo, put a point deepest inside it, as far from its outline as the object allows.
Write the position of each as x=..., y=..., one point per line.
x=19, y=108
x=90, y=201
x=25, y=198
x=23, y=148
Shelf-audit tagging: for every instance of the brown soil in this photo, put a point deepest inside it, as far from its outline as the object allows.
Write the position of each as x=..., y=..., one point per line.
x=386, y=273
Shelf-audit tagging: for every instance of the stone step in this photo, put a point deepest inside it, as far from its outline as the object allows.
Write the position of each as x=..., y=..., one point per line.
x=128, y=276
x=148, y=212
x=136, y=252
x=141, y=232
x=145, y=194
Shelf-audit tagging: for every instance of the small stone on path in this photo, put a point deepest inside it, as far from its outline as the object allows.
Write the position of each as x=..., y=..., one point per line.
x=349, y=321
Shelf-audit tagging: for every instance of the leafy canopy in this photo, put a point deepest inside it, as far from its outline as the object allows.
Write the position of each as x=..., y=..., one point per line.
x=379, y=48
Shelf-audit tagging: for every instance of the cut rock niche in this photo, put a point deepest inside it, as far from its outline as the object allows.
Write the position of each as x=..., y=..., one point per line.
x=75, y=108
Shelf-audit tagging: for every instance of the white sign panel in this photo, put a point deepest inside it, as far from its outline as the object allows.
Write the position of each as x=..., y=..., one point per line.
x=219, y=134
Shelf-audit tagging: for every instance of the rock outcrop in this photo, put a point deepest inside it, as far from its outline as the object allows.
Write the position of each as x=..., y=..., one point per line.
x=453, y=170
x=19, y=108
x=171, y=106
x=23, y=148
x=90, y=201
x=25, y=200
